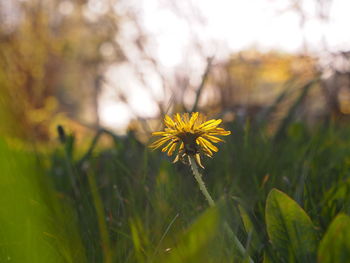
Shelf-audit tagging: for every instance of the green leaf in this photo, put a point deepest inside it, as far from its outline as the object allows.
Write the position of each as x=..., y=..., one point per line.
x=196, y=244
x=335, y=245
x=289, y=228
x=248, y=224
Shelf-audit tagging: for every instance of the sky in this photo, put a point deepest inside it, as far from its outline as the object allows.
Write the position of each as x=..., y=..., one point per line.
x=231, y=25
x=220, y=27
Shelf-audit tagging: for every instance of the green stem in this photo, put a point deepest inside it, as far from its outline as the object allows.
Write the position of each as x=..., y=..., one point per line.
x=211, y=202
x=200, y=182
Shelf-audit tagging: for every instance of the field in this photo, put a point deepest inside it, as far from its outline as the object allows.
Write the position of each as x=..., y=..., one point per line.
x=280, y=197
x=86, y=86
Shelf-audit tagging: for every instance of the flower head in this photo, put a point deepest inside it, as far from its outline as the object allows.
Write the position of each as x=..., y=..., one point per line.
x=190, y=136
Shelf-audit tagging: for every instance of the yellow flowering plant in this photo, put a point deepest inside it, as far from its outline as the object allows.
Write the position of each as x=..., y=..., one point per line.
x=191, y=136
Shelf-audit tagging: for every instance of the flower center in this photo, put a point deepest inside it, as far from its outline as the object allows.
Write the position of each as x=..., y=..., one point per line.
x=190, y=144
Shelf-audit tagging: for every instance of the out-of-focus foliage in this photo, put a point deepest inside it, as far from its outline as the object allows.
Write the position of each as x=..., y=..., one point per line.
x=254, y=78
x=35, y=225
x=335, y=246
x=52, y=58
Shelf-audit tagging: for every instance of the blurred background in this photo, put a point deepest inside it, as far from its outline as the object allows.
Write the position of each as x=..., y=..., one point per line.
x=114, y=64
x=83, y=83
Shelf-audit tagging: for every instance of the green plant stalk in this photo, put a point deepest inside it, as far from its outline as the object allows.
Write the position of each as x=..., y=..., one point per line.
x=211, y=203
x=106, y=245
x=200, y=182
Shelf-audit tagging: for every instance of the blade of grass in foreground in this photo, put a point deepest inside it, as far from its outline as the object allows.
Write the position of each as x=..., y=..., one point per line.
x=34, y=225
x=105, y=242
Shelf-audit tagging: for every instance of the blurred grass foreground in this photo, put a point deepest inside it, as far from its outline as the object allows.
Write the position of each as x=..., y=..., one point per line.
x=74, y=190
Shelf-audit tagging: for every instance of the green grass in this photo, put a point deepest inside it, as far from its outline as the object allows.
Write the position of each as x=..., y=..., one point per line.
x=34, y=225
x=126, y=203
x=150, y=210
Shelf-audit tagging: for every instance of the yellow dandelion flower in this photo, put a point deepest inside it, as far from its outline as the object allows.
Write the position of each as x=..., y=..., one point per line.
x=190, y=136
